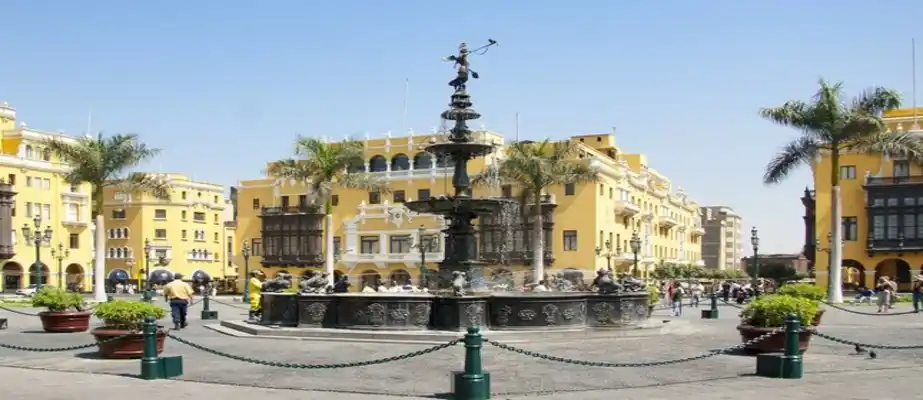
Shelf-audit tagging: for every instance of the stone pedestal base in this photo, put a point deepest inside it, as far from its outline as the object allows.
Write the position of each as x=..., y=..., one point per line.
x=709, y=314
x=210, y=314
x=778, y=365
x=3, y=323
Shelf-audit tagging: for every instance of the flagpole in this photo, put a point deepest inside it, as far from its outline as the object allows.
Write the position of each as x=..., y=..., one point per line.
x=517, y=126
x=404, y=118
x=913, y=63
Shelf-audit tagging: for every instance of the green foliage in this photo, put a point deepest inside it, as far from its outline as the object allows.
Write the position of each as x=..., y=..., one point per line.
x=58, y=300
x=901, y=298
x=775, y=271
x=804, y=290
x=681, y=271
x=128, y=315
x=770, y=311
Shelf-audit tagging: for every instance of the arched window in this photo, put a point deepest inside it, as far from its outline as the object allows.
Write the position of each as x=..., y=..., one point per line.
x=125, y=232
x=30, y=153
x=357, y=166
x=400, y=162
x=378, y=164
x=422, y=161
x=443, y=161
x=111, y=252
x=46, y=154
x=118, y=253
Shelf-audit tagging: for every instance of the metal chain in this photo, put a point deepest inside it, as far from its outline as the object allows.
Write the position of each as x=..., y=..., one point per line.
x=871, y=346
x=710, y=354
x=17, y=311
x=317, y=366
x=841, y=308
x=228, y=304
x=59, y=349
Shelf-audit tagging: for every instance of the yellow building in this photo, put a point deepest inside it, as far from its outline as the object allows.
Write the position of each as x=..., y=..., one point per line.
x=185, y=234
x=37, y=177
x=376, y=237
x=882, y=214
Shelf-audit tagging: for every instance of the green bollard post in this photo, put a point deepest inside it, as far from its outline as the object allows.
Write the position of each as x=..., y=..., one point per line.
x=712, y=313
x=792, y=363
x=147, y=296
x=109, y=298
x=788, y=364
x=207, y=312
x=150, y=364
x=473, y=383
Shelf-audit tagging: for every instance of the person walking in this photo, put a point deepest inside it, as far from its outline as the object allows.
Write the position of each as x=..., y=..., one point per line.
x=917, y=291
x=179, y=295
x=885, y=291
x=677, y=298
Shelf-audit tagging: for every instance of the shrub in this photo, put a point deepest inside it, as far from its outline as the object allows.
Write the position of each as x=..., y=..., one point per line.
x=57, y=299
x=128, y=315
x=901, y=298
x=804, y=291
x=770, y=311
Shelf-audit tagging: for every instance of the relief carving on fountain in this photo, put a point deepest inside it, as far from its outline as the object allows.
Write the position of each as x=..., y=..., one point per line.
x=551, y=314
x=602, y=311
x=473, y=313
x=526, y=314
x=315, y=312
x=503, y=315
x=421, y=314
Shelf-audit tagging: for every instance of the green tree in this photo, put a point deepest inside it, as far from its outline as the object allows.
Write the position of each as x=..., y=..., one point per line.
x=533, y=168
x=775, y=271
x=324, y=167
x=104, y=162
x=831, y=126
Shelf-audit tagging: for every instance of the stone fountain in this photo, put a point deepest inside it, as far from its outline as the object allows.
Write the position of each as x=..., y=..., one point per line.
x=463, y=299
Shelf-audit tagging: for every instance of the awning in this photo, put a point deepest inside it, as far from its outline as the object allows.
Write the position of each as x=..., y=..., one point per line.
x=201, y=276
x=118, y=275
x=161, y=276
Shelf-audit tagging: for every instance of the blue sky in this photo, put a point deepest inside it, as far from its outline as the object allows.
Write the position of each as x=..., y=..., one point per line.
x=224, y=86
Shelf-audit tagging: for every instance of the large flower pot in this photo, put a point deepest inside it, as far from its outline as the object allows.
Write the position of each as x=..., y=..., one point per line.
x=131, y=346
x=66, y=321
x=773, y=344
x=816, y=320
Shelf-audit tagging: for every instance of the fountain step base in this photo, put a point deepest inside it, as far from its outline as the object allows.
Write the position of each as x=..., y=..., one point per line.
x=243, y=329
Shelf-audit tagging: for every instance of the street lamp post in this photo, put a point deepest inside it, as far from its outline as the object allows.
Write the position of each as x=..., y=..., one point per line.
x=37, y=237
x=755, y=241
x=147, y=296
x=635, y=244
x=609, y=253
x=246, y=253
x=59, y=256
x=423, y=245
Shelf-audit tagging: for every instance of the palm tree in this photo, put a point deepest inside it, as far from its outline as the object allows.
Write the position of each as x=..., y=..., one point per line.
x=535, y=167
x=104, y=162
x=831, y=127
x=322, y=167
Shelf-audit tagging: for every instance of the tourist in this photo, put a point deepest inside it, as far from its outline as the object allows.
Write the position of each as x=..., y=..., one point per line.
x=917, y=291
x=697, y=290
x=179, y=295
x=864, y=295
x=884, y=291
x=256, y=288
x=676, y=294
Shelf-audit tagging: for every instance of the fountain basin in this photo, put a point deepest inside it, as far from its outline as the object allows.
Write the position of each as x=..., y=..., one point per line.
x=454, y=205
x=527, y=311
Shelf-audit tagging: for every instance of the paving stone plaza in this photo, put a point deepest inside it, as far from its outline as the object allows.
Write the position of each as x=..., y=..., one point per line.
x=830, y=368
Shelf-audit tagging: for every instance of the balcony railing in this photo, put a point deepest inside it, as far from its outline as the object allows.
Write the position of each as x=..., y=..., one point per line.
x=290, y=210
x=514, y=257
x=894, y=180
x=303, y=260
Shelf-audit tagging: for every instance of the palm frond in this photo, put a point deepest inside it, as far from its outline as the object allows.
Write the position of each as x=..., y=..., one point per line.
x=895, y=145
x=799, y=151
x=140, y=182
x=876, y=101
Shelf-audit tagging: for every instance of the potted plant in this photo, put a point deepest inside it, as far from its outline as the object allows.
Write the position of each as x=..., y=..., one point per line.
x=653, y=296
x=64, y=310
x=806, y=291
x=120, y=318
x=766, y=314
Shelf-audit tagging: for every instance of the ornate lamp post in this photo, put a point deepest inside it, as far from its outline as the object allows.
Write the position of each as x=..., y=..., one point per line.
x=59, y=256
x=37, y=237
x=830, y=243
x=635, y=243
x=246, y=253
x=424, y=245
x=130, y=263
x=609, y=253
x=148, y=249
x=755, y=242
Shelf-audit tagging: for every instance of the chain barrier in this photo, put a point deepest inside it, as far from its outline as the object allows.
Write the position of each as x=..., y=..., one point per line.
x=317, y=366
x=703, y=356
x=14, y=311
x=212, y=299
x=60, y=349
x=860, y=344
x=737, y=306
x=889, y=314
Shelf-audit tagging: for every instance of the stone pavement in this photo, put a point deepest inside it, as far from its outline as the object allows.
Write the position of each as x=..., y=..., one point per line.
x=830, y=369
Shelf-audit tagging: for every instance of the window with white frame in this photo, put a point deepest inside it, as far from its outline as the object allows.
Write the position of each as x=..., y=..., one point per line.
x=72, y=213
